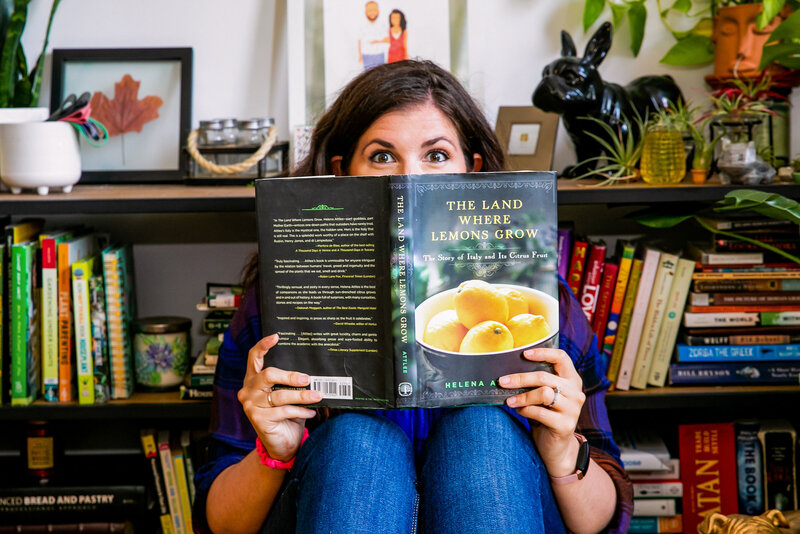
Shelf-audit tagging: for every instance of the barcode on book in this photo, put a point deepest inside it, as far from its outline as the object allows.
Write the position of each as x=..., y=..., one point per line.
x=333, y=387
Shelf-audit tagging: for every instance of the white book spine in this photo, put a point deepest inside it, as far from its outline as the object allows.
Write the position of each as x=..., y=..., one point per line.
x=702, y=320
x=654, y=507
x=658, y=489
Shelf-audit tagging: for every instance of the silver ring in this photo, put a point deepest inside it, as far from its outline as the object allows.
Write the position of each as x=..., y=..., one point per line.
x=556, y=392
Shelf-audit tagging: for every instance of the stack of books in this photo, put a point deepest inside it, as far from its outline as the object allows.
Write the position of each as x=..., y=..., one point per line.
x=67, y=300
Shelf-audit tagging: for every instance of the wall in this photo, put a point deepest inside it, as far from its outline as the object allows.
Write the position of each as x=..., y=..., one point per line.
x=240, y=49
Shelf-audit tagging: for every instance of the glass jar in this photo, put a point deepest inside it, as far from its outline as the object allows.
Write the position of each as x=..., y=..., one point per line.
x=663, y=156
x=39, y=451
x=161, y=346
x=230, y=131
x=250, y=132
x=210, y=133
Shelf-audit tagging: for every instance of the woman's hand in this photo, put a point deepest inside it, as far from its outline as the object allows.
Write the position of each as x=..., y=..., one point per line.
x=554, y=403
x=273, y=414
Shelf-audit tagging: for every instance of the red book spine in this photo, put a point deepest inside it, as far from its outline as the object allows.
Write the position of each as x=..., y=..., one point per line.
x=577, y=264
x=708, y=472
x=592, y=279
x=604, y=302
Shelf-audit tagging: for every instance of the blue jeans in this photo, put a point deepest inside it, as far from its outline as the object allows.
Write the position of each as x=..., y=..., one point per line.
x=373, y=60
x=479, y=472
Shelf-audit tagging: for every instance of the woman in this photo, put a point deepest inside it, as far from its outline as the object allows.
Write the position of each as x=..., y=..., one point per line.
x=398, y=37
x=478, y=469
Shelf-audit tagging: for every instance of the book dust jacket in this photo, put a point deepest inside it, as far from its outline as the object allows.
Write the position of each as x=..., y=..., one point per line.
x=408, y=291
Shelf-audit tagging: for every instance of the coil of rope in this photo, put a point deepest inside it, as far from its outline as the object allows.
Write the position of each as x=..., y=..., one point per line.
x=231, y=168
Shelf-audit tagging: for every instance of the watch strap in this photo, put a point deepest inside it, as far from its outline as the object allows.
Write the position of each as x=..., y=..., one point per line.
x=581, y=465
x=269, y=461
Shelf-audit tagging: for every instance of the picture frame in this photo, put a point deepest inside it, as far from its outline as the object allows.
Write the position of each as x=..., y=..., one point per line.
x=158, y=81
x=528, y=137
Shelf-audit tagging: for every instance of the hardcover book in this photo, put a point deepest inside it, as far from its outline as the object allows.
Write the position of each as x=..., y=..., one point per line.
x=627, y=251
x=25, y=353
x=600, y=320
x=590, y=289
x=779, y=445
x=749, y=469
x=721, y=373
x=621, y=336
x=409, y=291
x=737, y=353
x=577, y=265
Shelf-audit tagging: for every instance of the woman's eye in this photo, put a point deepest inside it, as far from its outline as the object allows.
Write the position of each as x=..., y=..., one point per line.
x=437, y=156
x=382, y=157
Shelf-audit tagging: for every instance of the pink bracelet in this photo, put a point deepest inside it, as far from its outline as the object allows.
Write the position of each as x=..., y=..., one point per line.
x=271, y=462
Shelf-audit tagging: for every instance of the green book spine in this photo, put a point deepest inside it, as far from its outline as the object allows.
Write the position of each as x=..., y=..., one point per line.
x=81, y=272
x=23, y=362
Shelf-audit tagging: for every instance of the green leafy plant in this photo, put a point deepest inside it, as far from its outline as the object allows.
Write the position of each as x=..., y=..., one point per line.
x=744, y=98
x=691, y=23
x=623, y=150
x=783, y=45
x=18, y=86
x=770, y=205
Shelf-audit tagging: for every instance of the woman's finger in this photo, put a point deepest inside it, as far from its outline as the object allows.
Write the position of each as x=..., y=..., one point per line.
x=272, y=375
x=290, y=411
x=533, y=379
x=255, y=358
x=551, y=419
x=562, y=363
x=282, y=397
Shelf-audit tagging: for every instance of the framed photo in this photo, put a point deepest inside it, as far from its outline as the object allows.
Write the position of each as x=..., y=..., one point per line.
x=143, y=97
x=528, y=137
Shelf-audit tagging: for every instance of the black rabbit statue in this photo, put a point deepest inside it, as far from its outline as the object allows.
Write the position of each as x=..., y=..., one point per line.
x=572, y=87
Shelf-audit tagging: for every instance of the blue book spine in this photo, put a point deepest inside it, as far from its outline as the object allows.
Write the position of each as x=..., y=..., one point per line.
x=733, y=353
x=749, y=469
x=564, y=247
x=734, y=373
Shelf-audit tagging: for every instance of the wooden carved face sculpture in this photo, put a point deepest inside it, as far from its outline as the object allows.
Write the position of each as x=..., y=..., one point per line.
x=738, y=40
x=772, y=522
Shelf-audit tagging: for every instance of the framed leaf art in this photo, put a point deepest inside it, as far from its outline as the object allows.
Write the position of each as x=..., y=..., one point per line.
x=142, y=96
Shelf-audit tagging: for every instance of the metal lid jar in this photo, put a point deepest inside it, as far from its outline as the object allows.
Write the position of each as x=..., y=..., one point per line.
x=161, y=346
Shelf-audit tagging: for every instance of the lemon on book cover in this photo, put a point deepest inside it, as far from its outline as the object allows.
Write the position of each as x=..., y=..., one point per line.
x=477, y=301
x=488, y=336
x=444, y=331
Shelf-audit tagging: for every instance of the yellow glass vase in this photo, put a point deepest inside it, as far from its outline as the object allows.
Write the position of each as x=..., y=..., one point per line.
x=663, y=156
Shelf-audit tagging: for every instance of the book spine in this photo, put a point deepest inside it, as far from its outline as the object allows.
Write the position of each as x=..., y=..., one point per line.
x=653, y=524
x=624, y=321
x=746, y=224
x=405, y=380
x=721, y=353
x=649, y=268
x=708, y=471
x=185, y=392
x=83, y=332
x=97, y=306
x=739, y=309
x=183, y=488
x=673, y=471
x=186, y=445
x=5, y=362
x=719, y=373
x=151, y=453
x=658, y=489
x=170, y=482
x=64, y=324
x=756, y=339
x=736, y=245
x=749, y=470
x=564, y=244
x=600, y=320
x=702, y=320
x=763, y=298
x=22, y=390
x=662, y=284
x=671, y=323
x=577, y=264
x=623, y=275
x=49, y=323
x=783, y=318
x=592, y=279
x=779, y=446
x=768, y=276
x=200, y=380
x=654, y=507
x=72, y=504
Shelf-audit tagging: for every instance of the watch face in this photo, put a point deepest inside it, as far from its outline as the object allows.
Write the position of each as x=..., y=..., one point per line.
x=582, y=464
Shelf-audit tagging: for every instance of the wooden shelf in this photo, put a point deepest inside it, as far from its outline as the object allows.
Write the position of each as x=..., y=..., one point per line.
x=157, y=406
x=701, y=397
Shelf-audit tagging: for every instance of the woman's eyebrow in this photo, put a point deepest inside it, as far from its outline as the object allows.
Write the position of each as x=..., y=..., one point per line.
x=435, y=140
x=385, y=144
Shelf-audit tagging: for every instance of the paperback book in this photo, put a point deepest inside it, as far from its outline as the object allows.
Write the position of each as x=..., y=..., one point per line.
x=409, y=291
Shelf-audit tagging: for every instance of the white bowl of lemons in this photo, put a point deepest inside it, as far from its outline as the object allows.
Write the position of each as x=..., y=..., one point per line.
x=479, y=317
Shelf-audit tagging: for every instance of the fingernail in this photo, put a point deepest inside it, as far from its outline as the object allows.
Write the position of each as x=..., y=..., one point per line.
x=316, y=396
x=529, y=353
x=303, y=379
x=512, y=401
x=504, y=380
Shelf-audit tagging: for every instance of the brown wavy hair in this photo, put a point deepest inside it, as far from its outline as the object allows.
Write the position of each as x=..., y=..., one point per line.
x=383, y=89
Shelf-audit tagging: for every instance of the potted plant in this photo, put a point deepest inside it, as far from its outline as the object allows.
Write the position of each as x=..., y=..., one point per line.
x=663, y=152
x=622, y=152
x=796, y=170
x=703, y=152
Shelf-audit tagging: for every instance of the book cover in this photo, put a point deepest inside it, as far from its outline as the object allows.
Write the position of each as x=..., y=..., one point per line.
x=656, y=525
x=577, y=265
x=170, y=481
x=15, y=233
x=183, y=485
x=755, y=298
x=662, y=283
x=707, y=256
x=746, y=372
x=49, y=312
x=708, y=471
x=593, y=276
x=25, y=348
x=69, y=252
x=600, y=319
x=621, y=336
x=82, y=271
x=410, y=292
x=662, y=354
x=99, y=329
x=563, y=250
x=779, y=446
x=638, y=313
x=725, y=353
x=626, y=253
x=749, y=468
x=150, y=449
x=64, y=504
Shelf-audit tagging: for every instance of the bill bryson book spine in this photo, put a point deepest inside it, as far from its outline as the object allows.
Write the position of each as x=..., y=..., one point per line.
x=749, y=468
x=708, y=472
x=719, y=373
x=402, y=272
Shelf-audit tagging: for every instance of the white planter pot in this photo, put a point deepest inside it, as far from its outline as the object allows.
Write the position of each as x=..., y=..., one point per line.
x=9, y=115
x=39, y=155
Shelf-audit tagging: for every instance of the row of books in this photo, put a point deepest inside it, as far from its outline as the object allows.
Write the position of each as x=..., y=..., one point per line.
x=662, y=317
x=746, y=467
x=68, y=301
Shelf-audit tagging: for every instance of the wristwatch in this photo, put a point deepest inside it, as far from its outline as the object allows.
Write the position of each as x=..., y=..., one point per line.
x=581, y=465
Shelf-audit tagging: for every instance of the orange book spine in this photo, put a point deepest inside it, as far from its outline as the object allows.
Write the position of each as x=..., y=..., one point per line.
x=64, y=325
